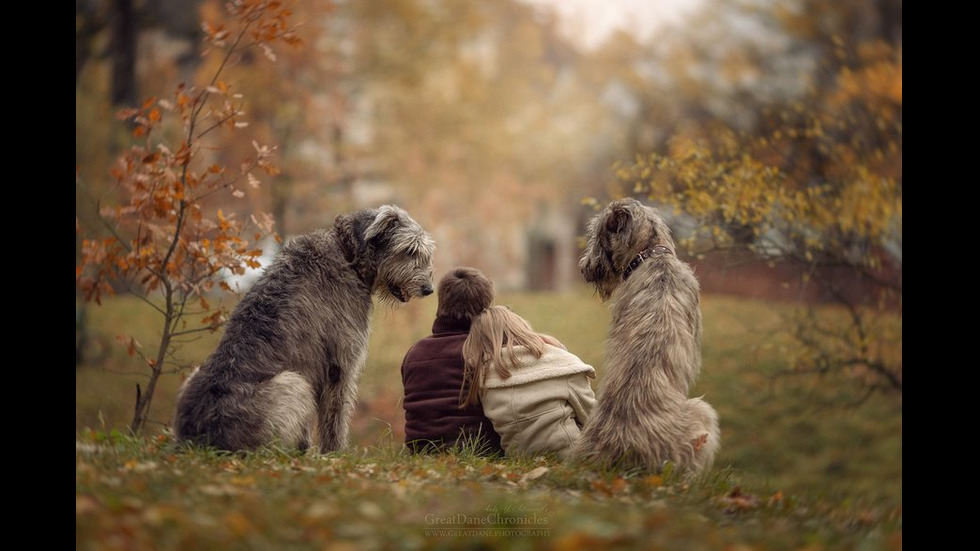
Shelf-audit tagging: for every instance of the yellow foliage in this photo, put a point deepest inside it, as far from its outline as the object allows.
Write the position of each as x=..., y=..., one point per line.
x=849, y=192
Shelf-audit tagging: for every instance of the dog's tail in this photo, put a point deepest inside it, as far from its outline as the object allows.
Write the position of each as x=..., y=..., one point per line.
x=704, y=438
x=686, y=435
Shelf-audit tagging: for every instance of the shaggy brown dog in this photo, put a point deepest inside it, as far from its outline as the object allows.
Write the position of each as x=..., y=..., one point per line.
x=653, y=352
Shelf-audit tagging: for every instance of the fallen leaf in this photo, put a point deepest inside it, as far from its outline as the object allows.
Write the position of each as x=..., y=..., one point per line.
x=319, y=511
x=371, y=510
x=535, y=474
x=654, y=481
x=243, y=480
x=738, y=501
x=611, y=488
x=238, y=523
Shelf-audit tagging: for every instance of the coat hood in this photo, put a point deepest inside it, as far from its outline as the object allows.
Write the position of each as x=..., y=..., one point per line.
x=553, y=363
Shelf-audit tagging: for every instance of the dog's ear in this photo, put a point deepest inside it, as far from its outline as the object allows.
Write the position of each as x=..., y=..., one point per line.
x=618, y=218
x=350, y=232
x=593, y=269
x=388, y=218
x=594, y=264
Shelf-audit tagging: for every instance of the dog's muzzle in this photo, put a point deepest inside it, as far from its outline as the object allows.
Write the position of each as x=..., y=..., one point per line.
x=404, y=296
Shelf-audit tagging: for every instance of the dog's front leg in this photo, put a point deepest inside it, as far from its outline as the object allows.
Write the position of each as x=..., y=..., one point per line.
x=336, y=408
x=331, y=411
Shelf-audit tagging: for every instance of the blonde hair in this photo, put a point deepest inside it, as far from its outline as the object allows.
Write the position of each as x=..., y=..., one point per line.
x=494, y=329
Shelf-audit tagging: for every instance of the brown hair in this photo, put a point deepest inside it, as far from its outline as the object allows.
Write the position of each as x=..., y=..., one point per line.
x=464, y=293
x=493, y=330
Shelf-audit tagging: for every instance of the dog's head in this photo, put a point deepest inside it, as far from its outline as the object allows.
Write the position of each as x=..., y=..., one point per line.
x=624, y=229
x=393, y=247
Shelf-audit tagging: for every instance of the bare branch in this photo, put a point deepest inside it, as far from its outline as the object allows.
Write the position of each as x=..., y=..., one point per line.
x=220, y=122
x=143, y=298
x=194, y=331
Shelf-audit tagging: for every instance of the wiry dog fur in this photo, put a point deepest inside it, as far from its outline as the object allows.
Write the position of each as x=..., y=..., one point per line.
x=653, y=352
x=287, y=368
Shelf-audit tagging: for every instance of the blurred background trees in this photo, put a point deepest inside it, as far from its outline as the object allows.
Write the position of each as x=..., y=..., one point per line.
x=804, y=173
x=772, y=129
x=447, y=108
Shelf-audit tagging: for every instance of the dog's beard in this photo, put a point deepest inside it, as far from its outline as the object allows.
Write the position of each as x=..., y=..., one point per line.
x=601, y=279
x=605, y=290
x=399, y=283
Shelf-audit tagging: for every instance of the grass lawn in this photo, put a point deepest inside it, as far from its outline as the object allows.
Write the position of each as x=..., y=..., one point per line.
x=793, y=472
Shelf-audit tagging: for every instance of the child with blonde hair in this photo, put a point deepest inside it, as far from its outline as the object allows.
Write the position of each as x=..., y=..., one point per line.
x=536, y=393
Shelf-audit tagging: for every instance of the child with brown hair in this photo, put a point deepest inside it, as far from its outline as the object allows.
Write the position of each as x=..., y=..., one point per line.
x=536, y=393
x=432, y=372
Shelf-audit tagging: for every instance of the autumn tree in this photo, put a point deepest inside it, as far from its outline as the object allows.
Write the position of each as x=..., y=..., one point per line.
x=485, y=102
x=813, y=180
x=161, y=240
x=299, y=103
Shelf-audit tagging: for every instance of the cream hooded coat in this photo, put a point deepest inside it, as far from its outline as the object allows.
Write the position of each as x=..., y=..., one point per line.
x=541, y=407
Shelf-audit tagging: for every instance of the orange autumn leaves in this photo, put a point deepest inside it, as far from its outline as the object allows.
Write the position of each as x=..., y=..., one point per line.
x=160, y=233
x=162, y=237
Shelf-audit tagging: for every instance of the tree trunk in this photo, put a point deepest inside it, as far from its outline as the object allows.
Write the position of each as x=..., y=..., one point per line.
x=122, y=48
x=144, y=399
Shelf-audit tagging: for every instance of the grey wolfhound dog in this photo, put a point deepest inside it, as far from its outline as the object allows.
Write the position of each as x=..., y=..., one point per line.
x=287, y=368
x=653, y=352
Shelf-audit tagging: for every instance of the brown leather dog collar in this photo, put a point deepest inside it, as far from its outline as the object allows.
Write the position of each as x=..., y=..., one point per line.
x=642, y=256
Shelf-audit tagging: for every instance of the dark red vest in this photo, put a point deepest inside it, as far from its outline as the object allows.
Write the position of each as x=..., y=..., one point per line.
x=432, y=374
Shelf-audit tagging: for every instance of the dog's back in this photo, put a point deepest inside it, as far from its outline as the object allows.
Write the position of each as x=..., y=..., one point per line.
x=653, y=352
x=656, y=318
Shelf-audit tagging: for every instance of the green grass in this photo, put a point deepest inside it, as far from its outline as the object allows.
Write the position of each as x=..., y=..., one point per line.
x=810, y=474
x=147, y=493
